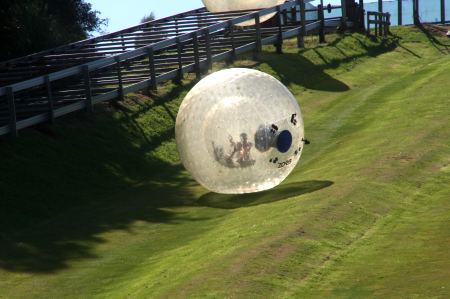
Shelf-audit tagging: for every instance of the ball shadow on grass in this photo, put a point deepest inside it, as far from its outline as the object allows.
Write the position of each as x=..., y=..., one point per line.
x=234, y=201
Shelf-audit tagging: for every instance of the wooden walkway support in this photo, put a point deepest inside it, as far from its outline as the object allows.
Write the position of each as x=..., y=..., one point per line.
x=41, y=87
x=302, y=33
x=321, y=17
x=378, y=25
x=416, y=16
x=354, y=13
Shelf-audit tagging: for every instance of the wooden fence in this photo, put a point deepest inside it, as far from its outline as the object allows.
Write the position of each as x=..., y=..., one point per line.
x=381, y=20
x=53, y=83
x=416, y=10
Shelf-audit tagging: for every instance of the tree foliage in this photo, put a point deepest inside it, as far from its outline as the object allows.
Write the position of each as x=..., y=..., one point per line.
x=148, y=18
x=29, y=26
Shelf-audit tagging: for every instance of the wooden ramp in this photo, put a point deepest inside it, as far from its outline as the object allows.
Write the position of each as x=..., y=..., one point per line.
x=41, y=87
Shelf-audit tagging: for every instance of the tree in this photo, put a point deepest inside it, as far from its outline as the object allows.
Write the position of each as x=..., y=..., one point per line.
x=29, y=26
x=148, y=18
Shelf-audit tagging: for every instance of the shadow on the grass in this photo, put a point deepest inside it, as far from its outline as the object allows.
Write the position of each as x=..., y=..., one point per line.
x=60, y=191
x=49, y=246
x=295, y=68
x=444, y=48
x=234, y=201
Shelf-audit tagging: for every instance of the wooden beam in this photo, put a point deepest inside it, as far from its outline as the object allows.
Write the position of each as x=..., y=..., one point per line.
x=416, y=12
x=400, y=12
x=179, y=78
x=232, y=41
x=208, y=50
x=198, y=73
x=322, y=23
x=279, y=44
x=387, y=20
x=151, y=66
x=380, y=18
x=12, y=112
x=87, y=89
x=344, y=8
x=361, y=15
x=302, y=33
x=258, y=47
x=119, y=78
x=368, y=24
x=443, y=11
x=51, y=112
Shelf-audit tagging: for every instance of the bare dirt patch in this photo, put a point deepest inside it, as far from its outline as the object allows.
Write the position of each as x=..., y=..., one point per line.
x=439, y=30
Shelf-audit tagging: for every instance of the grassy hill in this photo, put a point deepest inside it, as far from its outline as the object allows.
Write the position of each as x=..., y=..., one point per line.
x=99, y=206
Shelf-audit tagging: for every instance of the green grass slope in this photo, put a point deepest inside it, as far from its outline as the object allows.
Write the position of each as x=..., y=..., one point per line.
x=100, y=207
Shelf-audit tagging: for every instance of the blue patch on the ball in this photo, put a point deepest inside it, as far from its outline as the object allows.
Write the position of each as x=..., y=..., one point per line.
x=284, y=141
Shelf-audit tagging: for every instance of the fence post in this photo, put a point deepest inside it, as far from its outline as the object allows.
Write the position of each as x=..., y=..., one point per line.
x=258, y=47
x=380, y=17
x=279, y=44
x=208, y=50
x=198, y=73
x=322, y=23
x=388, y=23
x=416, y=12
x=285, y=17
x=443, y=11
x=151, y=65
x=233, y=44
x=380, y=25
x=381, y=20
x=123, y=43
x=12, y=112
x=362, y=26
x=177, y=30
x=294, y=14
x=87, y=89
x=400, y=12
x=119, y=77
x=375, y=17
x=344, y=10
x=302, y=33
x=180, y=62
x=51, y=112
x=368, y=23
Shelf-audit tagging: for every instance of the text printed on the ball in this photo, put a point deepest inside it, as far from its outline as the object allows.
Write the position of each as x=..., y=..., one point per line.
x=284, y=164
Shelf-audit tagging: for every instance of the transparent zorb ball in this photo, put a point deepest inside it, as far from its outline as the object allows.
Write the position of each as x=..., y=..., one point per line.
x=233, y=5
x=239, y=131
